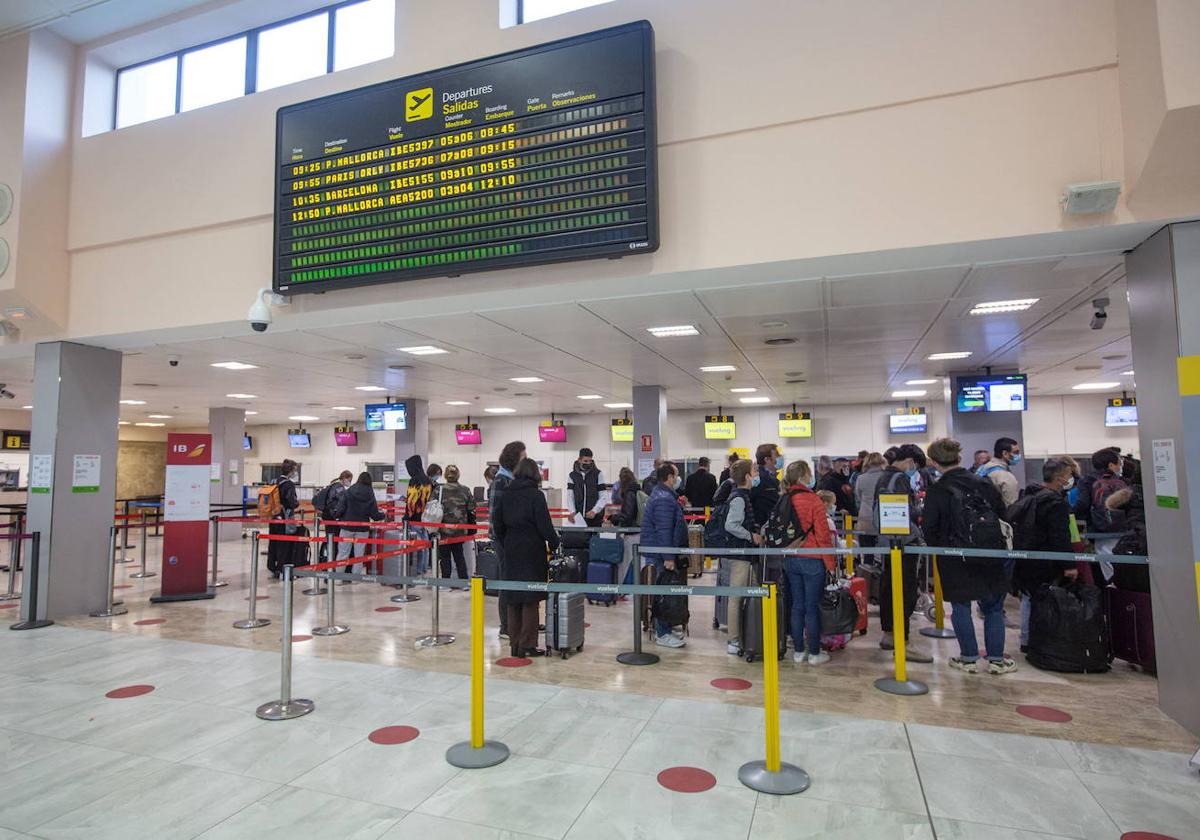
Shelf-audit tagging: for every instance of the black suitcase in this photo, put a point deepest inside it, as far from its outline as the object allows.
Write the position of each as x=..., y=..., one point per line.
x=752, y=626
x=574, y=538
x=487, y=565
x=578, y=558
x=873, y=575
x=298, y=553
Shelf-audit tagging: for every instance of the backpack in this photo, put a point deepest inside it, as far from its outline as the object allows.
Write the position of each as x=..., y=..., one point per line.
x=673, y=609
x=642, y=498
x=433, y=509
x=1102, y=488
x=715, y=534
x=269, y=503
x=783, y=526
x=977, y=525
x=1022, y=515
x=321, y=501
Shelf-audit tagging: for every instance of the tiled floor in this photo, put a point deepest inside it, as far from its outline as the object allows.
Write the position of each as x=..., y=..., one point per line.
x=588, y=738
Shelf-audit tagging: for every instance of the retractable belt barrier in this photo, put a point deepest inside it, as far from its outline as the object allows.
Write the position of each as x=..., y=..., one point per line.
x=14, y=568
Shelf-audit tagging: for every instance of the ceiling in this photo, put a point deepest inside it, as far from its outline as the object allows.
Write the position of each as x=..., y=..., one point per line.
x=81, y=21
x=854, y=340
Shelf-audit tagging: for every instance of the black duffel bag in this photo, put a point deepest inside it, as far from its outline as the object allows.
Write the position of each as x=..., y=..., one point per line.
x=1068, y=631
x=839, y=612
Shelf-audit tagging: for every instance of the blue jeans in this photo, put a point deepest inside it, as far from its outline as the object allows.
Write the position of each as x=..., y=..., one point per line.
x=993, y=628
x=1026, y=614
x=806, y=580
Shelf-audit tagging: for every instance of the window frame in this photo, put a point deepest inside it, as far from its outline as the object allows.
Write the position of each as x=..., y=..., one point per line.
x=251, y=36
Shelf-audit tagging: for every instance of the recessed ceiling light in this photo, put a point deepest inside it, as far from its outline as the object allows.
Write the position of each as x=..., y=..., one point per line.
x=1123, y=373
x=1113, y=357
x=718, y=369
x=779, y=342
x=300, y=418
x=677, y=331
x=234, y=365
x=250, y=413
x=341, y=408
x=1089, y=367
x=369, y=388
x=355, y=357
x=423, y=350
x=742, y=390
x=133, y=402
x=589, y=397
x=150, y=425
x=1095, y=386
x=920, y=382
x=457, y=402
x=752, y=400
x=896, y=395
x=618, y=405
x=526, y=380
x=30, y=408
x=992, y=307
x=500, y=410
x=159, y=416
x=958, y=354
x=242, y=396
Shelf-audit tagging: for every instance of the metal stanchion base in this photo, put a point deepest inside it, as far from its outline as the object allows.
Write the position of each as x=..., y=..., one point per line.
x=331, y=630
x=316, y=590
x=140, y=575
x=907, y=688
x=465, y=756
x=31, y=625
x=790, y=778
x=635, y=657
x=404, y=599
x=124, y=560
x=116, y=610
x=937, y=632
x=434, y=641
x=16, y=596
x=247, y=624
x=279, y=710
x=217, y=584
x=183, y=596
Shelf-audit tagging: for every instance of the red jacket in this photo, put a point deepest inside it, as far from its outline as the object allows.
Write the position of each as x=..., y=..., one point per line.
x=810, y=511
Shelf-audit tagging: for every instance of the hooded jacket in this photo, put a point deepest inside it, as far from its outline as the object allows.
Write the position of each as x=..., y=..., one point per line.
x=419, y=489
x=1049, y=530
x=662, y=522
x=357, y=504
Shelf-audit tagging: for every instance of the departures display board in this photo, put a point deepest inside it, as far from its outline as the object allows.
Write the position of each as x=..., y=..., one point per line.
x=537, y=156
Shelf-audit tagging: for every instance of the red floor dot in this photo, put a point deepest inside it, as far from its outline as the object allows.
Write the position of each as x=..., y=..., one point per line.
x=514, y=662
x=687, y=779
x=146, y=622
x=123, y=586
x=731, y=684
x=9, y=606
x=390, y=735
x=1044, y=713
x=129, y=691
x=587, y=624
x=257, y=597
x=1145, y=835
x=387, y=609
x=301, y=637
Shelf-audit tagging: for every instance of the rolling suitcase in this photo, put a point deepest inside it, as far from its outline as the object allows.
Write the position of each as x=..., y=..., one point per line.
x=873, y=575
x=858, y=588
x=392, y=566
x=721, y=602
x=487, y=564
x=752, y=627
x=298, y=552
x=601, y=573
x=1131, y=627
x=695, y=535
x=606, y=548
x=564, y=622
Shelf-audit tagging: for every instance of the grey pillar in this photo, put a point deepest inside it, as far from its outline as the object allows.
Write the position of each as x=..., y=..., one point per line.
x=981, y=429
x=649, y=418
x=415, y=439
x=75, y=396
x=1164, y=313
x=227, y=427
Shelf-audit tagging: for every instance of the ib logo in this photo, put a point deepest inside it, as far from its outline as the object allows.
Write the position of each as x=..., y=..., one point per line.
x=418, y=104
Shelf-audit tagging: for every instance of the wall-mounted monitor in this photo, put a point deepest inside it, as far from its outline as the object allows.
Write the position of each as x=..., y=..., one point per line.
x=908, y=423
x=552, y=431
x=1000, y=392
x=386, y=417
x=1121, y=411
x=345, y=437
x=247, y=442
x=622, y=430
x=299, y=440
x=795, y=424
x=467, y=434
x=719, y=427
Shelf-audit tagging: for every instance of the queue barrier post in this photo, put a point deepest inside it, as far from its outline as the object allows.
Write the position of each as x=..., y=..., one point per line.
x=216, y=549
x=286, y=707
x=253, y=621
x=111, y=607
x=477, y=752
x=315, y=588
x=939, y=629
x=142, y=551
x=435, y=637
x=332, y=628
x=636, y=656
x=405, y=597
x=31, y=586
x=899, y=683
x=14, y=564
x=849, y=520
x=772, y=775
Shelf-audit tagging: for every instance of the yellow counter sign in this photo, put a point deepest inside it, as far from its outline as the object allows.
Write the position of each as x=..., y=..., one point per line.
x=893, y=513
x=719, y=427
x=622, y=431
x=797, y=424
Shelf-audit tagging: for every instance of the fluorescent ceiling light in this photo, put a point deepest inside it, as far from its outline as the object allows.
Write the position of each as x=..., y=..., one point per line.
x=958, y=354
x=341, y=408
x=500, y=410
x=423, y=350
x=1123, y=373
x=589, y=397
x=673, y=332
x=123, y=423
x=159, y=416
x=718, y=369
x=250, y=413
x=525, y=380
x=151, y=425
x=896, y=395
x=992, y=307
x=242, y=396
x=27, y=407
x=1095, y=386
x=742, y=390
x=369, y=388
x=753, y=400
x=618, y=405
x=234, y=365
x=921, y=382
x=133, y=402
x=457, y=402
x=300, y=418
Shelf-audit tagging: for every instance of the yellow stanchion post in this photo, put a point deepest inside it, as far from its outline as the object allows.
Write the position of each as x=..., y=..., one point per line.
x=850, y=545
x=772, y=775
x=900, y=683
x=938, y=630
x=707, y=517
x=477, y=752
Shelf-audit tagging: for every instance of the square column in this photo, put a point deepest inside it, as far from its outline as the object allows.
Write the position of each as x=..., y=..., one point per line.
x=76, y=390
x=415, y=439
x=649, y=427
x=227, y=427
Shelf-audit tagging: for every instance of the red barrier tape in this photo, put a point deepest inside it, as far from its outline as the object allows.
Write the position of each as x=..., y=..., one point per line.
x=459, y=526
x=458, y=540
x=369, y=558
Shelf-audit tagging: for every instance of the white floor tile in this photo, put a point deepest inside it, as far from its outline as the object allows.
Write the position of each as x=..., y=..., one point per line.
x=1141, y=765
x=590, y=738
x=425, y=827
x=294, y=814
x=399, y=776
x=958, y=830
x=17, y=748
x=1138, y=804
x=19, y=703
x=801, y=817
x=97, y=717
x=175, y=734
x=606, y=702
x=278, y=751
x=984, y=745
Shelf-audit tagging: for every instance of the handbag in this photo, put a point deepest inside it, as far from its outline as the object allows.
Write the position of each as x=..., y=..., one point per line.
x=839, y=612
x=433, y=509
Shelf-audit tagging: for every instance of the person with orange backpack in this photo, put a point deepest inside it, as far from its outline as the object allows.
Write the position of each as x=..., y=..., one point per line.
x=279, y=501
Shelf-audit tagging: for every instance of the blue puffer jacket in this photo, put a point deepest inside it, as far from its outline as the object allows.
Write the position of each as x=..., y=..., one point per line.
x=662, y=522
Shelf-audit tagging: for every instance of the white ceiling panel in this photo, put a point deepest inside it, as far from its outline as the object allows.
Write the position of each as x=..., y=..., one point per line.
x=758, y=301
x=896, y=287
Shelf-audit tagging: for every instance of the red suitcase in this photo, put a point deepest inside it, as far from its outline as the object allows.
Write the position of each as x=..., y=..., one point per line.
x=1131, y=627
x=858, y=588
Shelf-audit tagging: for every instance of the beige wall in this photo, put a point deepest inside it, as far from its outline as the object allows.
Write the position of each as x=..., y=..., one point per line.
x=141, y=468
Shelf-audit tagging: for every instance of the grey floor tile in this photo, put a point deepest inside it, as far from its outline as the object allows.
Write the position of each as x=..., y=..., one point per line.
x=958, y=830
x=399, y=776
x=588, y=738
x=19, y=703
x=97, y=717
x=1148, y=804
x=425, y=827
x=1137, y=764
x=693, y=713
x=177, y=733
x=295, y=814
x=803, y=818
x=278, y=751
x=607, y=702
x=975, y=744
x=368, y=707
x=17, y=748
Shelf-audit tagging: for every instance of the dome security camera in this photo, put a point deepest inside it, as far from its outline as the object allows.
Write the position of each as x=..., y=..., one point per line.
x=259, y=315
x=173, y=361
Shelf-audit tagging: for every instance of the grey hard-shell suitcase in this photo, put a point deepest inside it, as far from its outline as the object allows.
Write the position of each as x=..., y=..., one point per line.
x=721, y=602
x=564, y=622
x=392, y=566
x=752, y=626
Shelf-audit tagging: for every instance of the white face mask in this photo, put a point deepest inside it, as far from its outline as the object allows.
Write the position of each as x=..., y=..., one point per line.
x=1070, y=483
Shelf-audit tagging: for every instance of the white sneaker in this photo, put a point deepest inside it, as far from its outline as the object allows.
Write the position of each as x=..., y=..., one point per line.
x=670, y=641
x=677, y=632
x=818, y=658
x=800, y=658
x=733, y=649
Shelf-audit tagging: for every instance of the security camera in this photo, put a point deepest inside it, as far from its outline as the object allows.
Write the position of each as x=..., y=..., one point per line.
x=173, y=361
x=1100, y=315
x=259, y=315
x=6, y=394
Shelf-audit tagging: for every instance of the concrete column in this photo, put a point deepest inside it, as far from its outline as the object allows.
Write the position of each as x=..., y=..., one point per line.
x=76, y=390
x=649, y=418
x=981, y=429
x=415, y=439
x=227, y=427
x=1164, y=312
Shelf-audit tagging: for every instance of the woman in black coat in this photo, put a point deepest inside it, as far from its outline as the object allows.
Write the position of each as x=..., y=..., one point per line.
x=521, y=522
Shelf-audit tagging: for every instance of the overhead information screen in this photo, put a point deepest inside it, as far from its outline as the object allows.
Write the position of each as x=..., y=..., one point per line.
x=536, y=156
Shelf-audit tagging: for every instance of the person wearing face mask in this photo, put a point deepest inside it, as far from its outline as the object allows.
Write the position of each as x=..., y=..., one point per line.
x=1041, y=521
x=765, y=493
x=278, y=552
x=356, y=504
x=897, y=479
x=835, y=479
x=585, y=496
x=663, y=526
x=1006, y=453
x=740, y=532
x=434, y=471
x=326, y=503
x=1091, y=507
